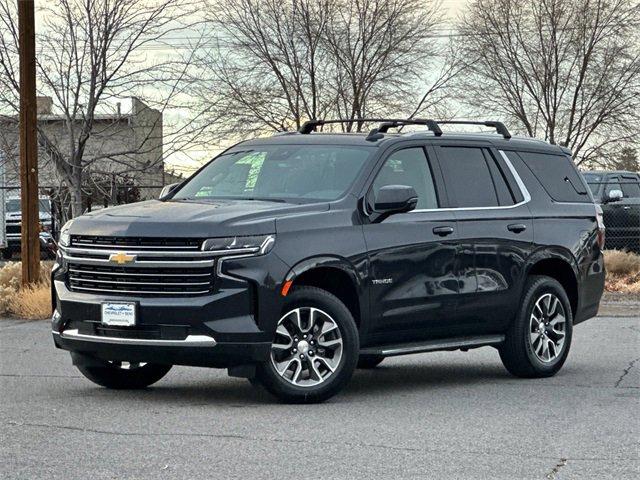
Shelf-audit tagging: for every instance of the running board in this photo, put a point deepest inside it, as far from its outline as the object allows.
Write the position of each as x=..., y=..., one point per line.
x=462, y=343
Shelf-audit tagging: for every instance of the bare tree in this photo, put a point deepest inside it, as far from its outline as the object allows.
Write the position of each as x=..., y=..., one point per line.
x=276, y=63
x=567, y=71
x=91, y=52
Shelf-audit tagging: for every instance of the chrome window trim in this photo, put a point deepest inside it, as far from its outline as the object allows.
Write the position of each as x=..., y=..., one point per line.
x=521, y=186
x=191, y=340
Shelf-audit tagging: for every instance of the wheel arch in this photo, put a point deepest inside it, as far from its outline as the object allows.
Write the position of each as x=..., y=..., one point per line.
x=561, y=266
x=335, y=275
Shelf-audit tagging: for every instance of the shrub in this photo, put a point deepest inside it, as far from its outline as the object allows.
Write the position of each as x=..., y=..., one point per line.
x=621, y=262
x=623, y=271
x=33, y=302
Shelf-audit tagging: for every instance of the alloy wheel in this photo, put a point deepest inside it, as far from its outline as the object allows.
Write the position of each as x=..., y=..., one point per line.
x=547, y=327
x=307, y=348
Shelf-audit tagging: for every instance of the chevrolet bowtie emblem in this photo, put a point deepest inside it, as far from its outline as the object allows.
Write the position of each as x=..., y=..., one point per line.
x=121, y=258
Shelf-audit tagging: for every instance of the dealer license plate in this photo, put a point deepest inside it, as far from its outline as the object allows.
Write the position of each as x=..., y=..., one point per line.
x=119, y=314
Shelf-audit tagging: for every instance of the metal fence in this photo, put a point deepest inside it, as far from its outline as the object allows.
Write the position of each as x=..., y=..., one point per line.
x=619, y=198
x=3, y=237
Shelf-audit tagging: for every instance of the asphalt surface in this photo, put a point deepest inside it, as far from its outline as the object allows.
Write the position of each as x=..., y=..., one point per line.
x=439, y=415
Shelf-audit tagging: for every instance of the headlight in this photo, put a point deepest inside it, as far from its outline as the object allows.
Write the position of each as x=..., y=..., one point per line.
x=256, y=244
x=64, y=238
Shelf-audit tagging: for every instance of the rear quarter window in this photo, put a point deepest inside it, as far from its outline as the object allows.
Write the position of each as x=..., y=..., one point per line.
x=631, y=186
x=558, y=176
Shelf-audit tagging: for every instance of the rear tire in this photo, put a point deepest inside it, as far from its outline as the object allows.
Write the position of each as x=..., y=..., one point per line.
x=115, y=377
x=538, y=340
x=366, y=362
x=315, y=349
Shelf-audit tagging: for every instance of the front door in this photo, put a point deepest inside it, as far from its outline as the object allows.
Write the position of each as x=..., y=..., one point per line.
x=412, y=255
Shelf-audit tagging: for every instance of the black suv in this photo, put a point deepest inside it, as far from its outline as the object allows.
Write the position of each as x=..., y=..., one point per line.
x=619, y=194
x=294, y=259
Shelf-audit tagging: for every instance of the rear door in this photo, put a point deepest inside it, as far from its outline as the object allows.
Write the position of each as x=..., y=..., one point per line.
x=495, y=233
x=412, y=281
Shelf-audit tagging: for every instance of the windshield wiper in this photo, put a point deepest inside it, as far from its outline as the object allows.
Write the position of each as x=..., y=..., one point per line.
x=262, y=199
x=213, y=199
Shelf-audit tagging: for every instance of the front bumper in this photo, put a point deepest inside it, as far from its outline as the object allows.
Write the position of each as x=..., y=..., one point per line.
x=194, y=350
x=229, y=327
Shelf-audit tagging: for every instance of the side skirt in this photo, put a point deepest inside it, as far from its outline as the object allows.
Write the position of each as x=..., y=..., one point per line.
x=457, y=343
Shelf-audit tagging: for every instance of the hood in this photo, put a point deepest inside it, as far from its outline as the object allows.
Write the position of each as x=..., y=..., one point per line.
x=184, y=219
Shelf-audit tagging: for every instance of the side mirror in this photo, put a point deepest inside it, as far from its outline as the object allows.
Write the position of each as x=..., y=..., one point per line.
x=395, y=199
x=168, y=190
x=614, y=196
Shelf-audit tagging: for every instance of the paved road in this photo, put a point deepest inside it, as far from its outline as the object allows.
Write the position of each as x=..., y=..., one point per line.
x=441, y=415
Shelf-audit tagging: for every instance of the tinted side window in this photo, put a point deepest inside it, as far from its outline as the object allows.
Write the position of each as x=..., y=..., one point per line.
x=505, y=195
x=467, y=177
x=409, y=167
x=630, y=187
x=558, y=176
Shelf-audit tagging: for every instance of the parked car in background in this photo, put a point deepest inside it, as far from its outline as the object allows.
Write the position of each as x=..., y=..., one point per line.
x=618, y=192
x=13, y=219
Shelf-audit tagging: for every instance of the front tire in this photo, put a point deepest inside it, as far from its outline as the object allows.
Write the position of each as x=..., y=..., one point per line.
x=315, y=349
x=538, y=341
x=125, y=376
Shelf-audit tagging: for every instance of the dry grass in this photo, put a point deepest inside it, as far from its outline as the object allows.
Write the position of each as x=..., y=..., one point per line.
x=32, y=303
x=623, y=271
x=621, y=262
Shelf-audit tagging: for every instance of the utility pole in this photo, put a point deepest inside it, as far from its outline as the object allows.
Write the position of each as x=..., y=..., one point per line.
x=28, y=144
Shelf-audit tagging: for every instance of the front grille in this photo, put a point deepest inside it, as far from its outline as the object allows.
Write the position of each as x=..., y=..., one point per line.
x=155, y=267
x=191, y=281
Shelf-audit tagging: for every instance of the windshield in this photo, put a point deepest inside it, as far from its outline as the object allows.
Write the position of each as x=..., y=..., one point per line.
x=279, y=172
x=13, y=206
x=594, y=181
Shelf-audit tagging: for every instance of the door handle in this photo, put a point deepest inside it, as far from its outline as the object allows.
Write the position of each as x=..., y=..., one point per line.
x=443, y=231
x=517, y=227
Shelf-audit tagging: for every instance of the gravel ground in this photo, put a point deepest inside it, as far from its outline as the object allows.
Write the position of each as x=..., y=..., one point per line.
x=439, y=415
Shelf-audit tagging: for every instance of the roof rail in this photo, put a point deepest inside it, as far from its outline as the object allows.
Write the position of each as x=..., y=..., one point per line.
x=499, y=126
x=387, y=123
x=311, y=125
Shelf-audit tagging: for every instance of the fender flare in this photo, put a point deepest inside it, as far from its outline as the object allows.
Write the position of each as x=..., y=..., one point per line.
x=338, y=263
x=331, y=261
x=564, y=255
x=552, y=253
